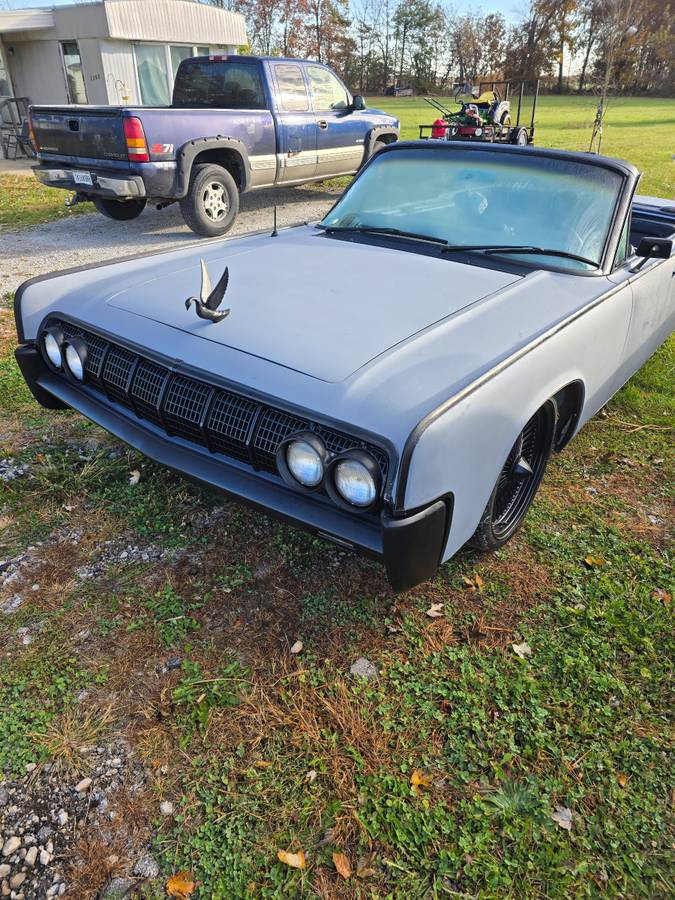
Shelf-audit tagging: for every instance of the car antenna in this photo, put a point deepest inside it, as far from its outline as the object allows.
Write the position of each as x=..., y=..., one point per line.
x=274, y=230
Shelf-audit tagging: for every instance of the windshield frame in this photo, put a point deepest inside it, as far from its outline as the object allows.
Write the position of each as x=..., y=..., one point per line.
x=628, y=173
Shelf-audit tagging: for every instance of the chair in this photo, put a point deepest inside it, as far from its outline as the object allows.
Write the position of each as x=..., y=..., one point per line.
x=14, y=139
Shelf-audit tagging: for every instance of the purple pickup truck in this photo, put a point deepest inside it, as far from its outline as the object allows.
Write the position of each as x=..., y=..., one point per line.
x=236, y=123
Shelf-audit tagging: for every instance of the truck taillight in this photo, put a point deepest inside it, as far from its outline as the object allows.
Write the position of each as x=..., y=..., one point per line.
x=137, y=148
x=31, y=133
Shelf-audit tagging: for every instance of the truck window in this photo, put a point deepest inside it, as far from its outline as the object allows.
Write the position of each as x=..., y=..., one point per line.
x=293, y=95
x=327, y=91
x=218, y=83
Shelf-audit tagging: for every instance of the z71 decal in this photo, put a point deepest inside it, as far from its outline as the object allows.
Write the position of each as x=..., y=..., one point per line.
x=161, y=148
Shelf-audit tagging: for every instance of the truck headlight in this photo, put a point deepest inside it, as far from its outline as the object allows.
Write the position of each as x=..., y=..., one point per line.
x=301, y=460
x=75, y=352
x=354, y=479
x=52, y=342
x=478, y=132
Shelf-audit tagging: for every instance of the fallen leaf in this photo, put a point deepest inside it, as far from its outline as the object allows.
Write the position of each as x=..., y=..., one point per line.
x=365, y=866
x=311, y=776
x=297, y=647
x=135, y=477
x=594, y=561
x=294, y=860
x=418, y=779
x=435, y=610
x=342, y=865
x=522, y=650
x=663, y=596
x=622, y=780
x=563, y=817
x=479, y=582
x=262, y=764
x=180, y=885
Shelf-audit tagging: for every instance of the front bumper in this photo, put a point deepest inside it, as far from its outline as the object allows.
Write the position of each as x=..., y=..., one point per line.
x=104, y=184
x=410, y=546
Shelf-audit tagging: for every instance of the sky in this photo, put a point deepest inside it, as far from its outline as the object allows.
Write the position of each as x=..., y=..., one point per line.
x=509, y=8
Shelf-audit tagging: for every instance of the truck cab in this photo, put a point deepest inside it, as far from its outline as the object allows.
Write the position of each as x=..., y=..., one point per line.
x=236, y=123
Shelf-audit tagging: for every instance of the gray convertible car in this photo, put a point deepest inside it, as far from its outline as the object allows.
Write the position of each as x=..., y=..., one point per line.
x=393, y=378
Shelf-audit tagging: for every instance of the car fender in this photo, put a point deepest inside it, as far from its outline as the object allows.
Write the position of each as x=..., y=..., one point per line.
x=187, y=153
x=460, y=447
x=374, y=134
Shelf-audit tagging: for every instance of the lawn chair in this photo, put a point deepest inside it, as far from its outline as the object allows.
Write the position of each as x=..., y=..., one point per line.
x=14, y=138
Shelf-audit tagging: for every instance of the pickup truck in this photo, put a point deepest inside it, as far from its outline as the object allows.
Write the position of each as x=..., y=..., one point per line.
x=235, y=124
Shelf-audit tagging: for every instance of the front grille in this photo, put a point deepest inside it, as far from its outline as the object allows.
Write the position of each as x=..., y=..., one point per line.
x=226, y=423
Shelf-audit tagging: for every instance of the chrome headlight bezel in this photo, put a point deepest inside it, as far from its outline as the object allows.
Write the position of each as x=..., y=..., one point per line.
x=369, y=463
x=57, y=335
x=312, y=440
x=79, y=347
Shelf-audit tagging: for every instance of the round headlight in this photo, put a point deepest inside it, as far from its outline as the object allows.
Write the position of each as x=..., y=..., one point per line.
x=75, y=352
x=355, y=483
x=478, y=132
x=305, y=463
x=53, y=349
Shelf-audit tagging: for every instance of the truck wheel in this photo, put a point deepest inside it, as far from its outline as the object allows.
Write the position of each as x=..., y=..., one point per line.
x=212, y=201
x=518, y=480
x=120, y=210
x=520, y=138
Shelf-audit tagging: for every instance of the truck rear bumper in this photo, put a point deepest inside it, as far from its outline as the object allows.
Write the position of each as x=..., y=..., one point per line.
x=103, y=184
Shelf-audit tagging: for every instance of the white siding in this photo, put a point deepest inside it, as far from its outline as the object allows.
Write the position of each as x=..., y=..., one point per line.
x=178, y=21
x=92, y=69
x=119, y=72
x=37, y=71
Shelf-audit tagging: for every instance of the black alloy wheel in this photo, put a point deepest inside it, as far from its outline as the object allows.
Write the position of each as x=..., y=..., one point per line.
x=518, y=480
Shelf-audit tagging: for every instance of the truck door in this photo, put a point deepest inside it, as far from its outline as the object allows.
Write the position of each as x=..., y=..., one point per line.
x=296, y=124
x=341, y=131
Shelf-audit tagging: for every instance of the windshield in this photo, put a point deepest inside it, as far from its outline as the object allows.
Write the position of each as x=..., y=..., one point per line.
x=485, y=200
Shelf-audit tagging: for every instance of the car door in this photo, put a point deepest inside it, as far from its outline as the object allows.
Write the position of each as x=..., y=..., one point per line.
x=341, y=131
x=653, y=310
x=297, y=132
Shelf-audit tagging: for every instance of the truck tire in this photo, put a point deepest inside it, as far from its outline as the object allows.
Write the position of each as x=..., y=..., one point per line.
x=120, y=210
x=212, y=201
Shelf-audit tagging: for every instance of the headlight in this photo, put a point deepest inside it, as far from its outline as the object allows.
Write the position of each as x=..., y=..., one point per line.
x=75, y=352
x=354, y=479
x=52, y=342
x=301, y=459
x=478, y=132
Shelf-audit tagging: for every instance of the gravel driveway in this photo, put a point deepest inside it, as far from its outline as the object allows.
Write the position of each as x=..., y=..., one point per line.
x=78, y=240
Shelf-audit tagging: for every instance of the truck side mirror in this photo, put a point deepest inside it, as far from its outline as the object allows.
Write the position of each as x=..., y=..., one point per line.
x=652, y=248
x=358, y=102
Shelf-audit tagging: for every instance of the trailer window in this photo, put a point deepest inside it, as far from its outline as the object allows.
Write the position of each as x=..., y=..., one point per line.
x=218, y=83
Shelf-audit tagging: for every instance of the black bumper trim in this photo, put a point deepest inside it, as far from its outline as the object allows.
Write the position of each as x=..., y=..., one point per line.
x=413, y=545
x=32, y=368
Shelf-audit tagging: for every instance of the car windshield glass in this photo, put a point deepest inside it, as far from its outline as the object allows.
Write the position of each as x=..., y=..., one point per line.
x=488, y=199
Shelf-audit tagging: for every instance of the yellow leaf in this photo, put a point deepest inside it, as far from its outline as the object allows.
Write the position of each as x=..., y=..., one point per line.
x=418, y=779
x=180, y=885
x=622, y=780
x=469, y=582
x=262, y=764
x=479, y=582
x=342, y=865
x=663, y=596
x=365, y=867
x=294, y=860
x=594, y=561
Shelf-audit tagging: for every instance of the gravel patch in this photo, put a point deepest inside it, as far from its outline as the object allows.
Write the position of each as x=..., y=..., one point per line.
x=78, y=240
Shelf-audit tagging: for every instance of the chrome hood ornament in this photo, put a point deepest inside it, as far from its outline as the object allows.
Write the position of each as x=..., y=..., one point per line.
x=210, y=298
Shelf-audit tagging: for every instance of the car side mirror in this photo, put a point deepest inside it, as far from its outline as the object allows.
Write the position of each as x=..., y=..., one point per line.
x=653, y=248
x=358, y=102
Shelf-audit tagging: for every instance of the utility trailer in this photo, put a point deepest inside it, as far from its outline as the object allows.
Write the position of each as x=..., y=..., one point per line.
x=487, y=116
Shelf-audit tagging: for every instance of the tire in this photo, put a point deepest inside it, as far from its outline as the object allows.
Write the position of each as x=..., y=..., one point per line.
x=212, y=202
x=518, y=480
x=520, y=139
x=120, y=210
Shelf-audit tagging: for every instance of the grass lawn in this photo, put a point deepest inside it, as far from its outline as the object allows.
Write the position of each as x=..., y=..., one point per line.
x=641, y=130
x=465, y=769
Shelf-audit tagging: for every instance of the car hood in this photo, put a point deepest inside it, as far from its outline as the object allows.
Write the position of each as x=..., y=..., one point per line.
x=319, y=305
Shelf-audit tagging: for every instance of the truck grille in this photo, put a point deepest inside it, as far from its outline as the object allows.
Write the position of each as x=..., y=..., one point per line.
x=224, y=422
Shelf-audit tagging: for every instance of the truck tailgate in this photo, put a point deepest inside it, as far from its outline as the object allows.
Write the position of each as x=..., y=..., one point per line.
x=90, y=131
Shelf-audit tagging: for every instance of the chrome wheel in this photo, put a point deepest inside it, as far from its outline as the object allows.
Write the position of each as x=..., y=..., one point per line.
x=214, y=201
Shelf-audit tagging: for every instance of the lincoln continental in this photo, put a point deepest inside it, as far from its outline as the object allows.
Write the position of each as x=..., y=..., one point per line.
x=393, y=378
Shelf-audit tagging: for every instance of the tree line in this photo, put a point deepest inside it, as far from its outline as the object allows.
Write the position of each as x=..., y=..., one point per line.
x=625, y=46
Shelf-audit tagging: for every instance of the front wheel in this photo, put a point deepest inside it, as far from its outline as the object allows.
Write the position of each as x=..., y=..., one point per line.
x=212, y=201
x=120, y=210
x=518, y=480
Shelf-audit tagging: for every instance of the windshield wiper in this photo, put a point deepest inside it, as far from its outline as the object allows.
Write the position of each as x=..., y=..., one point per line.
x=514, y=248
x=375, y=229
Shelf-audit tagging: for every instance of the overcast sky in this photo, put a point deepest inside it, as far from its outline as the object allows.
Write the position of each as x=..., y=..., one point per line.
x=510, y=8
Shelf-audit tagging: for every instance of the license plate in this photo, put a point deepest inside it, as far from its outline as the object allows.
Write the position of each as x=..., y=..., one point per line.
x=82, y=178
